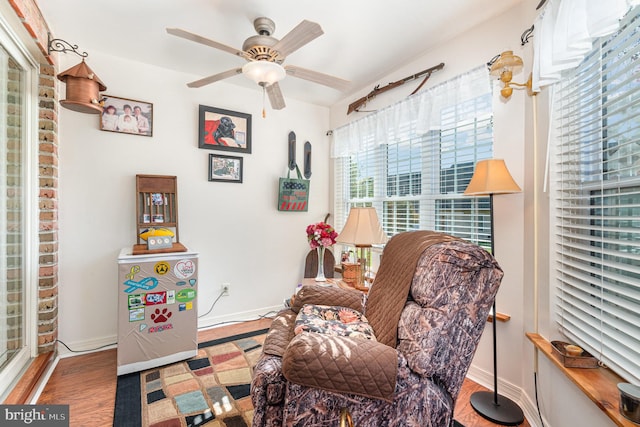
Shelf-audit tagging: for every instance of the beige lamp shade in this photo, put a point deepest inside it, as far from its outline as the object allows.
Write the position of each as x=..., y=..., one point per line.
x=507, y=61
x=491, y=177
x=362, y=228
x=505, y=67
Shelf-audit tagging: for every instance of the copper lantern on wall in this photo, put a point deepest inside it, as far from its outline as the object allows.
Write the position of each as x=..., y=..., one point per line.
x=83, y=87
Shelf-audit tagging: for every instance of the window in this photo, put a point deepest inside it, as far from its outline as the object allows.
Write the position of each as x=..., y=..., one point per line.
x=413, y=170
x=17, y=218
x=597, y=201
x=11, y=214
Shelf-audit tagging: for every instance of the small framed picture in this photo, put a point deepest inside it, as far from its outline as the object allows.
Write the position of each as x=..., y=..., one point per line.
x=127, y=116
x=225, y=168
x=157, y=199
x=224, y=130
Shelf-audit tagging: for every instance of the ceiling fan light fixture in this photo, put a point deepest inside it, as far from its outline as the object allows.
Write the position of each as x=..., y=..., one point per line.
x=264, y=72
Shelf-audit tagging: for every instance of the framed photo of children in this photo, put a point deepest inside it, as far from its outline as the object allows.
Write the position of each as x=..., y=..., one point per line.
x=225, y=168
x=224, y=130
x=127, y=116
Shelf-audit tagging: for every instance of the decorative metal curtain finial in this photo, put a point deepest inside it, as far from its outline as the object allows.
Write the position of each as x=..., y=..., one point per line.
x=526, y=35
x=59, y=45
x=492, y=61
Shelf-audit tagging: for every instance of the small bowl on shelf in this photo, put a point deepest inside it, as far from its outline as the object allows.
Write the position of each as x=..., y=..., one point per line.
x=572, y=357
x=573, y=350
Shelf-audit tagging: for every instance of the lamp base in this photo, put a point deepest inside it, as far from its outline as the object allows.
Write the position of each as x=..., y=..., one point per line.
x=506, y=412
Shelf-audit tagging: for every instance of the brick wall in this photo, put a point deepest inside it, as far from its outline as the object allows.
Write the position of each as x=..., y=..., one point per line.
x=48, y=209
x=47, y=144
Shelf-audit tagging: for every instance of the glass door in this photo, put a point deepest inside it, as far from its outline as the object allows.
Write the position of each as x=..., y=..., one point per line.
x=16, y=223
x=11, y=224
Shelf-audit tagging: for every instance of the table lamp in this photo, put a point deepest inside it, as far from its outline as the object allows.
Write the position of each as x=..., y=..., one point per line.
x=362, y=230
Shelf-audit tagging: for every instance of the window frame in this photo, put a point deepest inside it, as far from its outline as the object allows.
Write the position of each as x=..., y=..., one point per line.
x=13, y=44
x=592, y=292
x=478, y=124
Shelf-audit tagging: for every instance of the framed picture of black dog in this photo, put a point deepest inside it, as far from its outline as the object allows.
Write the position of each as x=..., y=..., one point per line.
x=224, y=130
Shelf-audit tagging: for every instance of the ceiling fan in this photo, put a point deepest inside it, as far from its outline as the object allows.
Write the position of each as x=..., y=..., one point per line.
x=265, y=54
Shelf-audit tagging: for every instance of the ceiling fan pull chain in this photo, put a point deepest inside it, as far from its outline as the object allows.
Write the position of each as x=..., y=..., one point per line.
x=264, y=112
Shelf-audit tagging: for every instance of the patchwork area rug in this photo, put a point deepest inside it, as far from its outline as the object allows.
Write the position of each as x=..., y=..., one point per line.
x=212, y=388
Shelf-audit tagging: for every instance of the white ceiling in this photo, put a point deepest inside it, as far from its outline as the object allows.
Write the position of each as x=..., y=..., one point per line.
x=363, y=40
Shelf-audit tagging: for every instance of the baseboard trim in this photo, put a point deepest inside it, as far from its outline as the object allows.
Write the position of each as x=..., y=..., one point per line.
x=45, y=379
x=510, y=391
x=243, y=316
x=108, y=342
x=83, y=347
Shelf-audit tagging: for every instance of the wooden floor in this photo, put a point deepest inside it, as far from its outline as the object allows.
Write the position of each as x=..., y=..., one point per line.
x=87, y=383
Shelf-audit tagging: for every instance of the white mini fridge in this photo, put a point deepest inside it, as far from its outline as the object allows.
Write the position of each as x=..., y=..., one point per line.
x=157, y=309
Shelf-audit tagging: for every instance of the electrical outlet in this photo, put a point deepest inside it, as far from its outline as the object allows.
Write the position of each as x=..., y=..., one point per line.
x=225, y=289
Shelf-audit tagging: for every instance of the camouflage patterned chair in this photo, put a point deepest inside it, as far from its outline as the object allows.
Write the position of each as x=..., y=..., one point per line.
x=427, y=308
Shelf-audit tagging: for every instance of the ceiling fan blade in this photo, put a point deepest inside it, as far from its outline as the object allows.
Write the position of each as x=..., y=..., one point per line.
x=214, y=78
x=275, y=96
x=302, y=34
x=205, y=41
x=316, y=77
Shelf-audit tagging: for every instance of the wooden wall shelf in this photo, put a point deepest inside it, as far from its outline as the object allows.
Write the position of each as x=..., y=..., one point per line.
x=500, y=317
x=156, y=207
x=599, y=384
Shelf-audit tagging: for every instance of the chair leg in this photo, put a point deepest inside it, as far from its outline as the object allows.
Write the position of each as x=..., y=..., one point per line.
x=345, y=418
x=452, y=422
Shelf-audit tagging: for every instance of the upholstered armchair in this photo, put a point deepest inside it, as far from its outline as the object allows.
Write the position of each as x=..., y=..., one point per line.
x=427, y=309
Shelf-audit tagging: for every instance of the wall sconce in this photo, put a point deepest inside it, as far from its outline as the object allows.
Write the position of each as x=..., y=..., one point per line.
x=83, y=85
x=504, y=67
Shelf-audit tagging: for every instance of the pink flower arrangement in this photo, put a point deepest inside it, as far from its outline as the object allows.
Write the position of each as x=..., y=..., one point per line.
x=321, y=234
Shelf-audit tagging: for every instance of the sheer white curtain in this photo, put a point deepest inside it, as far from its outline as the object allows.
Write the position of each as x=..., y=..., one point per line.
x=416, y=115
x=565, y=30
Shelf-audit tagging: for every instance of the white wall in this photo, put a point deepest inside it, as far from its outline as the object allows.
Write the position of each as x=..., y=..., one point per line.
x=244, y=240
x=241, y=237
x=562, y=403
x=460, y=55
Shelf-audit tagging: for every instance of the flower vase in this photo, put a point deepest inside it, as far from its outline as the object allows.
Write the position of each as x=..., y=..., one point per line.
x=320, y=276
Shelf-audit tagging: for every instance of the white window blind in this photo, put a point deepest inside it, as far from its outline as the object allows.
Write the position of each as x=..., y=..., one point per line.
x=597, y=200
x=414, y=173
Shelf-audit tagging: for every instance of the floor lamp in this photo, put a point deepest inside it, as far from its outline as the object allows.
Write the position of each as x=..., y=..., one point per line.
x=492, y=177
